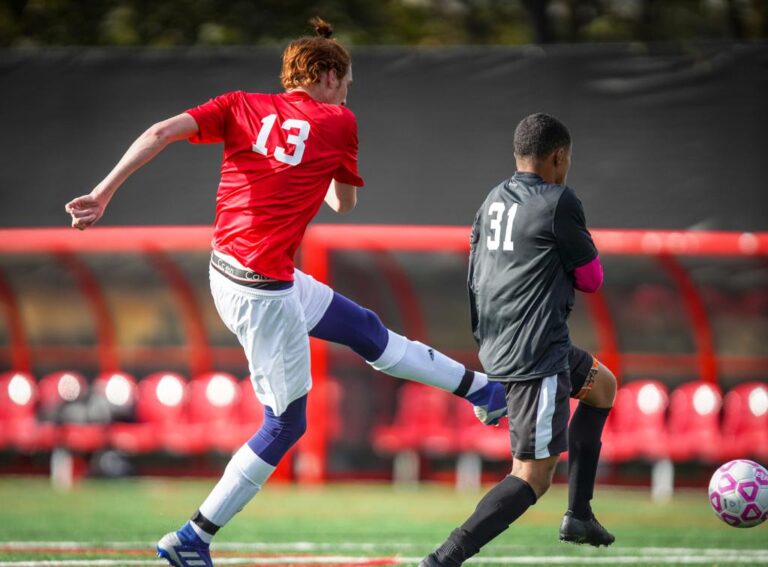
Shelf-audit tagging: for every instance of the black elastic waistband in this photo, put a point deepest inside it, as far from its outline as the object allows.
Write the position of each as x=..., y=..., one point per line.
x=247, y=278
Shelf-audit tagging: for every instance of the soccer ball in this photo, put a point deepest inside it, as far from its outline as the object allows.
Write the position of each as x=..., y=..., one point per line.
x=738, y=493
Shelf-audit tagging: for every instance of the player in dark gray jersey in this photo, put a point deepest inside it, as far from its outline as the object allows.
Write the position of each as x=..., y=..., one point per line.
x=521, y=288
x=530, y=249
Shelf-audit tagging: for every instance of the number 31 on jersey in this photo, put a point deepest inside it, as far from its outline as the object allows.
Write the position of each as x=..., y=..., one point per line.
x=295, y=138
x=496, y=217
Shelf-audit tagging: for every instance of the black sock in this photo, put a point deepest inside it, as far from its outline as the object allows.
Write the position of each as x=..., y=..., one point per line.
x=466, y=384
x=584, y=445
x=204, y=523
x=503, y=504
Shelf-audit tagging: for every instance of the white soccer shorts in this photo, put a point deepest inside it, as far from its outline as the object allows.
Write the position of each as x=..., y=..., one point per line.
x=272, y=328
x=314, y=296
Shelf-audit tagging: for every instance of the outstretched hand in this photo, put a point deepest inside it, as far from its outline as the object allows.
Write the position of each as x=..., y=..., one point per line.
x=85, y=211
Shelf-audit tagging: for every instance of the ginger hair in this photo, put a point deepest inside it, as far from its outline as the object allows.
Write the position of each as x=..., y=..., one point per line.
x=306, y=58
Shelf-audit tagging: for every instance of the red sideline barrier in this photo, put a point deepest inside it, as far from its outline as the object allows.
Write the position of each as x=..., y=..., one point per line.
x=389, y=237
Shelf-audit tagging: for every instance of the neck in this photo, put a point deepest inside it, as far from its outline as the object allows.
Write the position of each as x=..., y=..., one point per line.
x=301, y=90
x=316, y=91
x=543, y=170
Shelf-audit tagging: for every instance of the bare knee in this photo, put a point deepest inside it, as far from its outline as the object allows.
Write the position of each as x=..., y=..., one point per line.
x=603, y=391
x=536, y=472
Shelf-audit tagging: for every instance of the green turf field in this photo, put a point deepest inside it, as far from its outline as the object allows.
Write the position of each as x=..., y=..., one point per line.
x=116, y=523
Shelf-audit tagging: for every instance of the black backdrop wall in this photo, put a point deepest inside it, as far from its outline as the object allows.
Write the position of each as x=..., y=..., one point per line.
x=664, y=136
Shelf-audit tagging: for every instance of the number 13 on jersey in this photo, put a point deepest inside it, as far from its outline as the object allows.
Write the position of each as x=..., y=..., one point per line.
x=496, y=217
x=297, y=139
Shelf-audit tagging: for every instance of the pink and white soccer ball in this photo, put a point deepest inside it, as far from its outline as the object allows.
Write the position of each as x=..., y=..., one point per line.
x=738, y=493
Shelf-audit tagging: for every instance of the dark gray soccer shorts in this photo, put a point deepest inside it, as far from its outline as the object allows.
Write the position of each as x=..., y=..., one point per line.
x=539, y=409
x=538, y=416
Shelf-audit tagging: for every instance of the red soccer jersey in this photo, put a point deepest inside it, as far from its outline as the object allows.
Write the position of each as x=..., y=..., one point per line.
x=281, y=152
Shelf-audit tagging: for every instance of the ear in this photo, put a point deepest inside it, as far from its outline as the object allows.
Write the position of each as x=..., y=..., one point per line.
x=332, y=79
x=558, y=156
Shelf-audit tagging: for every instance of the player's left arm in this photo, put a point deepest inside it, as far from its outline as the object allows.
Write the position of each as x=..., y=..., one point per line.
x=588, y=277
x=87, y=209
x=574, y=242
x=341, y=197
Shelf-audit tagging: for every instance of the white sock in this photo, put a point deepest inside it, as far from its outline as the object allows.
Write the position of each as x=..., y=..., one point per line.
x=412, y=360
x=242, y=479
x=201, y=533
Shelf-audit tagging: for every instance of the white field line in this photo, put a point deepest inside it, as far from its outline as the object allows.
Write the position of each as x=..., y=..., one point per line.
x=304, y=560
x=286, y=560
x=79, y=562
x=305, y=546
x=613, y=556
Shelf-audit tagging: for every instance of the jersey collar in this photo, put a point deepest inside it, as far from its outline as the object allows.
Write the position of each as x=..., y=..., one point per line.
x=527, y=177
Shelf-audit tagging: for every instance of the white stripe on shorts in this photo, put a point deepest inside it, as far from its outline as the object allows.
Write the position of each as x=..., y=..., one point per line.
x=544, y=414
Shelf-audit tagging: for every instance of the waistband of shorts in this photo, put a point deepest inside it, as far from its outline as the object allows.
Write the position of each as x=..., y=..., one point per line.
x=219, y=281
x=524, y=377
x=243, y=276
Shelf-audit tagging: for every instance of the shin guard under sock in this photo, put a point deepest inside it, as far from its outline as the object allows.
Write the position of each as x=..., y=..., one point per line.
x=243, y=477
x=412, y=360
x=501, y=506
x=584, y=445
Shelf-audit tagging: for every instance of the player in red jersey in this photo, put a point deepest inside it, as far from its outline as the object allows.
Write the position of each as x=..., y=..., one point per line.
x=264, y=205
x=284, y=154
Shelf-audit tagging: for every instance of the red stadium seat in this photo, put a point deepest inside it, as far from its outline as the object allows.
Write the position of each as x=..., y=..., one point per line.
x=246, y=418
x=18, y=396
x=693, y=426
x=120, y=391
x=83, y=437
x=19, y=427
x=159, y=404
x=209, y=415
x=61, y=402
x=636, y=427
x=117, y=392
x=60, y=388
x=422, y=423
x=745, y=422
x=474, y=437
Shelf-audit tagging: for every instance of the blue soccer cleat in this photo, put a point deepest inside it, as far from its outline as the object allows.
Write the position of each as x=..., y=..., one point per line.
x=494, y=405
x=184, y=548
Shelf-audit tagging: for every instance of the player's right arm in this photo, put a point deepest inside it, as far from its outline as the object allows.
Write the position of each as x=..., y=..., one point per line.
x=342, y=192
x=341, y=197
x=86, y=210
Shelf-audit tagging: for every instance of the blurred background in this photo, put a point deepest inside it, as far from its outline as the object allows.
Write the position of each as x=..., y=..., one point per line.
x=115, y=363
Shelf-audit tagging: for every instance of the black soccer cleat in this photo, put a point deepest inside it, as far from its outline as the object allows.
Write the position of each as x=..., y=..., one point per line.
x=590, y=531
x=431, y=560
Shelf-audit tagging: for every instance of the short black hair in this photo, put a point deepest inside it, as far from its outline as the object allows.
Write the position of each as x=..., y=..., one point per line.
x=540, y=134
